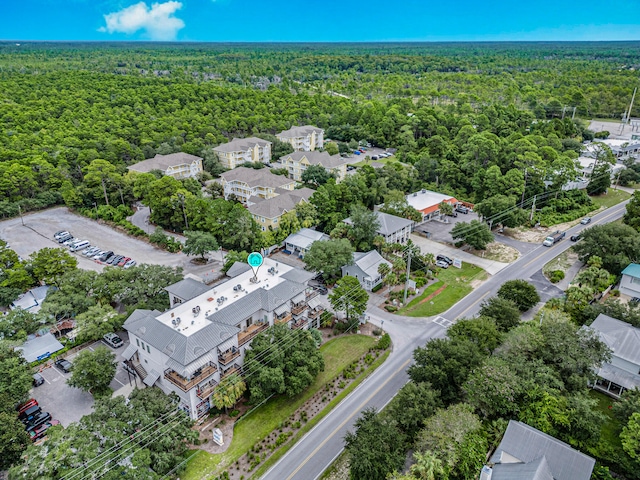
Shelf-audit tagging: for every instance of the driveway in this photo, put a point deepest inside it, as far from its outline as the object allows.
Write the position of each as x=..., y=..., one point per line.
x=440, y=230
x=39, y=227
x=429, y=246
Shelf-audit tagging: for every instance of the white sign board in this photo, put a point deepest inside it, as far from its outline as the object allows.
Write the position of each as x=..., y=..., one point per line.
x=457, y=263
x=411, y=284
x=217, y=436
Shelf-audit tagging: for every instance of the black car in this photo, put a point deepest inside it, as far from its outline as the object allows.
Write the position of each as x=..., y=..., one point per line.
x=30, y=413
x=575, y=238
x=444, y=258
x=37, y=420
x=322, y=290
x=37, y=379
x=63, y=364
x=113, y=260
x=462, y=209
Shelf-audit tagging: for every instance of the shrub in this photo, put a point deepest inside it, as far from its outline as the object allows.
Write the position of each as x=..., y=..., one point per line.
x=556, y=276
x=377, y=332
x=234, y=413
x=390, y=308
x=377, y=287
x=384, y=342
x=520, y=292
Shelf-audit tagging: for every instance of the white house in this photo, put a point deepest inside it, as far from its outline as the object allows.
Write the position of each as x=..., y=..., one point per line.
x=300, y=242
x=394, y=229
x=297, y=162
x=428, y=202
x=245, y=183
x=365, y=269
x=622, y=372
x=242, y=150
x=203, y=337
x=630, y=283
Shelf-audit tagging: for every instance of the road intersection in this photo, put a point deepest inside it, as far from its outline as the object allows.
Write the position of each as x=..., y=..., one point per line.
x=310, y=456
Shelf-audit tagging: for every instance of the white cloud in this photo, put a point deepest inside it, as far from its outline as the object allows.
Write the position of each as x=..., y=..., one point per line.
x=157, y=21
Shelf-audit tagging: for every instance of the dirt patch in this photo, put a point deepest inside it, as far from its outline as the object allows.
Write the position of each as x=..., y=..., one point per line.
x=498, y=252
x=437, y=292
x=562, y=262
x=538, y=234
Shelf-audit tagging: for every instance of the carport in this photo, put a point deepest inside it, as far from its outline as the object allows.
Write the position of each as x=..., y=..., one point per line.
x=39, y=348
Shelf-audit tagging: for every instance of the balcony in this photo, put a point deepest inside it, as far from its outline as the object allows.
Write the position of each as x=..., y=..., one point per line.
x=198, y=376
x=313, y=314
x=228, y=356
x=283, y=319
x=310, y=293
x=206, y=389
x=250, y=332
x=230, y=371
x=299, y=324
x=298, y=308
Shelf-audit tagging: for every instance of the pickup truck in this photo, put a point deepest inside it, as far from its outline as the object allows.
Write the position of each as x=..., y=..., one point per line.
x=554, y=238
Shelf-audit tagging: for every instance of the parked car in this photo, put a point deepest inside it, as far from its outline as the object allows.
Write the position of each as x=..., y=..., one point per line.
x=462, y=209
x=585, y=220
x=113, y=340
x=61, y=233
x=129, y=264
x=122, y=262
x=442, y=264
x=37, y=379
x=30, y=413
x=91, y=251
x=26, y=405
x=575, y=238
x=114, y=260
x=99, y=254
x=76, y=247
x=41, y=431
x=37, y=420
x=105, y=256
x=356, y=152
x=374, y=157
x=322, y=290
x=70, y=241
x=63, y=364
x=64, y=238
x=444, y=258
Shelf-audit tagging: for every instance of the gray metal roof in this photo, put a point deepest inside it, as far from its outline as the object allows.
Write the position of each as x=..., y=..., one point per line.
x=176, y=345
x=34, y=348
x=621, y=337
x=129, y=351
x=151, y=378
x=534, y=470
x=238, y=268
x=388, y=223
x=187, y=289
x=305, y=237
x=299, y=276
x=619, y=376
x=241, y=144
x=368, y=262
x=527, y=444
x=162, y=162
x=32, y=300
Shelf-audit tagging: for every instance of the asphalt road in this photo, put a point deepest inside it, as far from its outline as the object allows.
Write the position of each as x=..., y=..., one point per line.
x=317, y=449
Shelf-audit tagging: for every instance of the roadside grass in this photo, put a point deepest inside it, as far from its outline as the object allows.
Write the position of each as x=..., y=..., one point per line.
x=611, y=198
x=315, y=420
x=339, y=469
x=457, y=283
x=610, y=433
x=337, y=353
x=561, y=262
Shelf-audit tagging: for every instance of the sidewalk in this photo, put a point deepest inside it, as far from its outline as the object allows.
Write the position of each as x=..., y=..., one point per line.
x=429, y=246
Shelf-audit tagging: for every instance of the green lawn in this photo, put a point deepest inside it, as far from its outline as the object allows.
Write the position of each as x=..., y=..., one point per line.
x=611, y=428
x=457, y=282
x=613, y=197
x=337, y=353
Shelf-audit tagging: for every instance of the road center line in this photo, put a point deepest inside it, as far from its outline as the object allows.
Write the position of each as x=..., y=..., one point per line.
x=344, y=422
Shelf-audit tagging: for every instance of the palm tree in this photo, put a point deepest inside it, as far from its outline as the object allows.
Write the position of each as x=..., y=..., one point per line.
x=228, y=392
x=427, y=466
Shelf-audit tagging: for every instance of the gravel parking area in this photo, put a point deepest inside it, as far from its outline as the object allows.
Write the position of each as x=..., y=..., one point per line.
x=441, y=231
x=39, y=227
x=68, y=404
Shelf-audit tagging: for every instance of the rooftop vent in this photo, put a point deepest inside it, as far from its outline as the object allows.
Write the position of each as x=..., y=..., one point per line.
x=196, y=311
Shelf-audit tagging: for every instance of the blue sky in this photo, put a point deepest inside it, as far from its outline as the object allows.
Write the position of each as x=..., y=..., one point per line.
x=330, y=20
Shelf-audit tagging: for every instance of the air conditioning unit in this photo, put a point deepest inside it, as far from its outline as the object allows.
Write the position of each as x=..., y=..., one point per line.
x=485, y=473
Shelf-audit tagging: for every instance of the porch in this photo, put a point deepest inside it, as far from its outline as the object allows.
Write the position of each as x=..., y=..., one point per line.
x=198, y=376
x=228, y=356
x=250, y=332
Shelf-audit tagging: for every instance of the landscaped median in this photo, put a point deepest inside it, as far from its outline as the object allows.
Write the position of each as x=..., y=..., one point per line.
x=452, y=285
x=274, y=421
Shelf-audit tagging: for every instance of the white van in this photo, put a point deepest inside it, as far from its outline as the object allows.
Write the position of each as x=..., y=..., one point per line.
x=79, y=246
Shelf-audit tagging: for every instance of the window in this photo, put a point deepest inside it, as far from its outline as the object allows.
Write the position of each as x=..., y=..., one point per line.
x=137, y=342
x=148, y=349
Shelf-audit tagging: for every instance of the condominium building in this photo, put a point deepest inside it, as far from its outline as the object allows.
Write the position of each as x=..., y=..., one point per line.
x=203, y=337
x=306, y=138
x=267, y=213
x=177, y=165
x=242, y=150
x=297, y=162
x=245, y=183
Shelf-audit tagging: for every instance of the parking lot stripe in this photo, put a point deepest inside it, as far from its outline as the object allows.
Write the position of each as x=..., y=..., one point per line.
x=118, y=381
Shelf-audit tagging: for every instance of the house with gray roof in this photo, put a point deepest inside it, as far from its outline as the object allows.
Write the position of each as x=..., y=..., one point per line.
x=297, y=162
x=177, y=165
x=394, y=229
x=300, y=242
x=365, y=269
x=203, y=337
x=245, y=183
x=267, y=212
x=630, y=282
x=305, y=138
x=243, y=150
x=622, y=371
x=526, y=453
x=32, y=299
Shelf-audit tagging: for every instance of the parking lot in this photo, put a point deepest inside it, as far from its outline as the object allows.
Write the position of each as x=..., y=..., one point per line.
x=440, y=231
x=68, y=404
x=39, y=227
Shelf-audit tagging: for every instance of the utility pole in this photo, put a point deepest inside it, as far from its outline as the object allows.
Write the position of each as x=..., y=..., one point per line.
x=20, y=212
x=631, y=106
x=406, y=282
x=533, y=208
x=573, y=115
x=524, y=189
